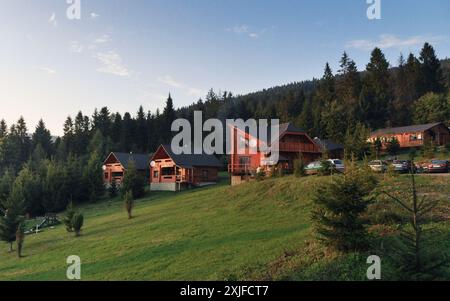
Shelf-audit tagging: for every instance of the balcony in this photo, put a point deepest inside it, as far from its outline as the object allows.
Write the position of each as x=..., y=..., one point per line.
x=298, y=147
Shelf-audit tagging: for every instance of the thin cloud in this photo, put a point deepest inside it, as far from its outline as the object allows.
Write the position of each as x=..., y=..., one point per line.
x=48, y=70
x=94, y=15
x=389, y=41
x=245, y=30
x=168, y=80
x=112, y=64
x=171, y=82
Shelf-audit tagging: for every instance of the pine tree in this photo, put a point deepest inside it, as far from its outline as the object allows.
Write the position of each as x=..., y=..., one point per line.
x=129, y=203
x=42, y=137
x=348, y=89
x=68, y=217
x=10, y=218
x=432, y=75
x=3, y=129
x=168, y=117
x=339, y=209
x=141, y=130
x=376, y=97
x=93, y=177
x=415, y=251
x=132, y=181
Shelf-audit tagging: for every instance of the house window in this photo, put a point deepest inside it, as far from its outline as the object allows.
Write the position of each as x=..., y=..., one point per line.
x=156, y=174
x=205, y=174
x=106, y=175
x=168, y=171
x=117, y=174
x=244, y=160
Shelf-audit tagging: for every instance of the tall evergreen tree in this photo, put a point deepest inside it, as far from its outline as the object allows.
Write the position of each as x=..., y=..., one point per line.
x=141, y=131
x=3, y=129
x=432, y=75
x=168, y=116
x=42, y=137
x=348, y=89
x=376, y=97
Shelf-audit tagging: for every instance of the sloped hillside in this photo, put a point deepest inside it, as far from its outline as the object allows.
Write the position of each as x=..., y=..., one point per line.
x=260, y=230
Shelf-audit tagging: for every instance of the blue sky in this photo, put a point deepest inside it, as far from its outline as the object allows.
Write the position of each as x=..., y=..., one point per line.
x=126, y=53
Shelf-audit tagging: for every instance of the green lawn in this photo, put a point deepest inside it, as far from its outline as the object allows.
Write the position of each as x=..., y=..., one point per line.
x=258, y=230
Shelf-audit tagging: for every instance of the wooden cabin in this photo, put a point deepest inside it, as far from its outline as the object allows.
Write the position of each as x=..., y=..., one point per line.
x=172, y=172
x=415, y=135
x=116, y=164
x=292, y=142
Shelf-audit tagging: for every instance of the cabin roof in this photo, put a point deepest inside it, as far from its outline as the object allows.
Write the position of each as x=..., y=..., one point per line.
x=407, y=129
x=192, y=160
x=140, y=160
x=326, y=144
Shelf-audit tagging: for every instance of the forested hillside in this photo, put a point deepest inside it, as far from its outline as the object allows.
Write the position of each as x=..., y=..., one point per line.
x=344, y=105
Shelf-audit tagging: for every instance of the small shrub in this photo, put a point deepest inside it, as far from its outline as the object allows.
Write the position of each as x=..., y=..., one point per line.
x=20, y=237
x=112, y=190
x=77, y=223
x=129, y=203
x=326, y=168
x=260, y=175
x=70, y=212
x=280, y=171
x=299, y=168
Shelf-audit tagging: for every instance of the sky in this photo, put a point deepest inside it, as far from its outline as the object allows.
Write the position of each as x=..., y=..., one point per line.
x=123, y=54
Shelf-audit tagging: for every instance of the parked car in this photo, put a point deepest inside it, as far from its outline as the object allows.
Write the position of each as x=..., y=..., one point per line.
x=378, y=165
x=338, y=164
x=437, y=166
x=403, y=166
x=313, y=168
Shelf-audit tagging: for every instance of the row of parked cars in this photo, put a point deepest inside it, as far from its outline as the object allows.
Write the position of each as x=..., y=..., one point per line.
x=404, y=166
x=401, y=166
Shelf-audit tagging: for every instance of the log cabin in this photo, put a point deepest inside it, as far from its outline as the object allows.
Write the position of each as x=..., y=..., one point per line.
x=174, y=172
x=292, y=142
x=116, y=164
x=414, y=136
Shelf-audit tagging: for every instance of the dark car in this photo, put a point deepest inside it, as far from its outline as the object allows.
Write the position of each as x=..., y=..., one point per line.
x=438, y=166
x=402, y=166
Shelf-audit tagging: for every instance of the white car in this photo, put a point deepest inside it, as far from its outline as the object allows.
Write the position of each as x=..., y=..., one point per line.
x=337, y=164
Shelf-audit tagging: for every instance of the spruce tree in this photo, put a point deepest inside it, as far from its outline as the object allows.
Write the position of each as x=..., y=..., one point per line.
x=10, y=218
x=339, y=208
x=376, y=97
x=432, y=75
x=415, y=252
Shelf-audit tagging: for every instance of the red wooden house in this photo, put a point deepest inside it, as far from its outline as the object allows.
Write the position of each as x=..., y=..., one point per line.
x=292, y=142
x=415, y=135
x=116, y=164
x=174, y=172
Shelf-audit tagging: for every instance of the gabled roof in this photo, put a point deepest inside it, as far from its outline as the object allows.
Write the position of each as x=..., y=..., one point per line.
x=328, y=145
x=192, y=160
x=407, y=129
x=140, y=160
